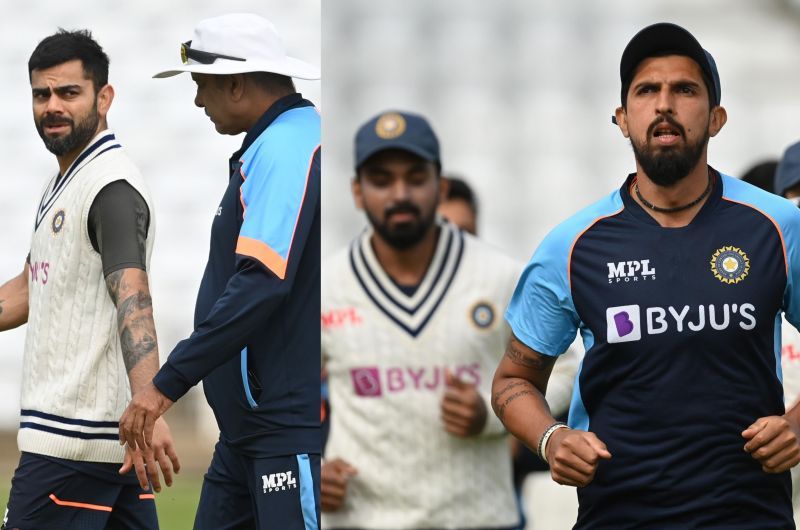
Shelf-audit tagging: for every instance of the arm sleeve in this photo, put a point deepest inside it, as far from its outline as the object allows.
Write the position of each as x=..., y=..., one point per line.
x=266, y=269
x=541, y=312
x=118, y=222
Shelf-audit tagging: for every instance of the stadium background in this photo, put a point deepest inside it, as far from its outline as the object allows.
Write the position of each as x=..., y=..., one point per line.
x=181, y=156
x=521, y=92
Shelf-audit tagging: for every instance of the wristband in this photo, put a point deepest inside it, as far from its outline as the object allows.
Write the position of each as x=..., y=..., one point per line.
x=542, y=447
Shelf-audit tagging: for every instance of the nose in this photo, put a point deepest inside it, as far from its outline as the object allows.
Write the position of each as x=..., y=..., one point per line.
x=54, y=105
x=198, y=100
x=665, y=103
x=400, y=190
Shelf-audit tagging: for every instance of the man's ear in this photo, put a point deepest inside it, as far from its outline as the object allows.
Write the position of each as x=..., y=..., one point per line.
x=233, y=85
x=622, y=121
x=105, y=96
x=444, y=188
x=719, y=117
x=358, y=196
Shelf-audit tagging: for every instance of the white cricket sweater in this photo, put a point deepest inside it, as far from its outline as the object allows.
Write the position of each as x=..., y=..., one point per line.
x=74, y=382
x=386, y=354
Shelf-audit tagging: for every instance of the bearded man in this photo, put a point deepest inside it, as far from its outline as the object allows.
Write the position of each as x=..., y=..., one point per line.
x=677, y=282
x=410, y=337
x=84, y=293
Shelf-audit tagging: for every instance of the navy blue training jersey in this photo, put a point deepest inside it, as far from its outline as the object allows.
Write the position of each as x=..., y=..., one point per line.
x=256, y=343
x=682, y=334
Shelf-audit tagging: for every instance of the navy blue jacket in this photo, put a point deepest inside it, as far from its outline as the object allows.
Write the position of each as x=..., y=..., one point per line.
x=256, y=343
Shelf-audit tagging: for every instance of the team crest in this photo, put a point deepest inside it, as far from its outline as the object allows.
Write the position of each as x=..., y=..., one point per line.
x=482, y=315
x=730, y=264
x=58, y=221
x=390, y=126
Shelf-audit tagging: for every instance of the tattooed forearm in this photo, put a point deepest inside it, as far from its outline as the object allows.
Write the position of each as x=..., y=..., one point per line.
x=529, y=359
x=500, y=408
x=509, y=386
x=140, y=301
x=136, y=342
x=113, y=284
x=129, y=290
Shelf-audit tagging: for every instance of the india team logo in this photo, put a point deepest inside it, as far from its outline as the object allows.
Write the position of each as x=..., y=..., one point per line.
x=624, y=324
x=58, y=221
x=730, y=264
x=482, y=315
x=390, y=126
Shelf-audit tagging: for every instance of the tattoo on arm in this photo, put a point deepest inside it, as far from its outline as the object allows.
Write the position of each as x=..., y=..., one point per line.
x=501, y=409
x=520, y=357
x=1, y=306
x=113, y=284
x=134, y=318
x=501, y=400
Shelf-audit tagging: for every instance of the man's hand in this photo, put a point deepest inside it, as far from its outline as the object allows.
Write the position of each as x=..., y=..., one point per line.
x=137, y=422
x=773, y=441
x=336, y=474
x=162, y=451
x=573, y=456
x=463, y=408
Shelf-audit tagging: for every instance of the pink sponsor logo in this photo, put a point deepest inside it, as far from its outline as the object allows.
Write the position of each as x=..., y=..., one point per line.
x=371, y=381
x=40, y=271
x=366, y=381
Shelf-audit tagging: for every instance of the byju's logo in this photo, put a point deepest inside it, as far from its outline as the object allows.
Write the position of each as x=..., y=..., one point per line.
x=629, y=323
x=279, y=482
x=630, y=271
x=623, y=324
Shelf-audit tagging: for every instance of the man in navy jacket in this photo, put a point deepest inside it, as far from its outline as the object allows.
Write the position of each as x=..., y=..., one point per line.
x=256, y=340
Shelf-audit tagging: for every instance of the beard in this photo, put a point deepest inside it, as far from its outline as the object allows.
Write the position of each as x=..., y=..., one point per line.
x=402, y=236
x=666, y=167
x=79, y=135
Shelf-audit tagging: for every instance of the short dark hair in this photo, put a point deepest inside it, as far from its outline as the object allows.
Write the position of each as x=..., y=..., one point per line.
x=65, y=46
x=460, y=190
x=273, y=83
x=626, y=85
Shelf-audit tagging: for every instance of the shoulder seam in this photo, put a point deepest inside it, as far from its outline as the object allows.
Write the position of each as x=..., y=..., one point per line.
x=774, y=223
x=577, y=237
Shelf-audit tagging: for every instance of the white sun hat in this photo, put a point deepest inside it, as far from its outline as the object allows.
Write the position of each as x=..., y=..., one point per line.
x=235, y=44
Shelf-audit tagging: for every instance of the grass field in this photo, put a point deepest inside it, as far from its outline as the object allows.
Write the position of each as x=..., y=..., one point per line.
x=176, y=505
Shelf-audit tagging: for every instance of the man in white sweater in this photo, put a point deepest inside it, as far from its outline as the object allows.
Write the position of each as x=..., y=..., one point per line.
x=84, y=293
x=411, y=334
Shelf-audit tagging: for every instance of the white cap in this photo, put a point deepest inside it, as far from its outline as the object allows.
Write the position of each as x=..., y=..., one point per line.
x=250, y=44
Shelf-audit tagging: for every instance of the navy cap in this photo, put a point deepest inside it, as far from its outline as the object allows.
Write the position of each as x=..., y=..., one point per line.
x=788, y=173
x=396, y=130
x=665, y=38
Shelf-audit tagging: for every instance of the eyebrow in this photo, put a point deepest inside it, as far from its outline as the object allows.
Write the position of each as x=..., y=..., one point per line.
x=60, y=90
x=678, y=83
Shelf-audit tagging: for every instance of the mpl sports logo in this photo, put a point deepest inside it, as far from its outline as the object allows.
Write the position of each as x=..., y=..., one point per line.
x=625, y=324
x=630, y=271
x=279, y=482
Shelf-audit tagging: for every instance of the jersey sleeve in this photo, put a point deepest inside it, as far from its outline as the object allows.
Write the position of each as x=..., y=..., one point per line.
x=118, y=222
x=541, y=312
x=272, y=197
